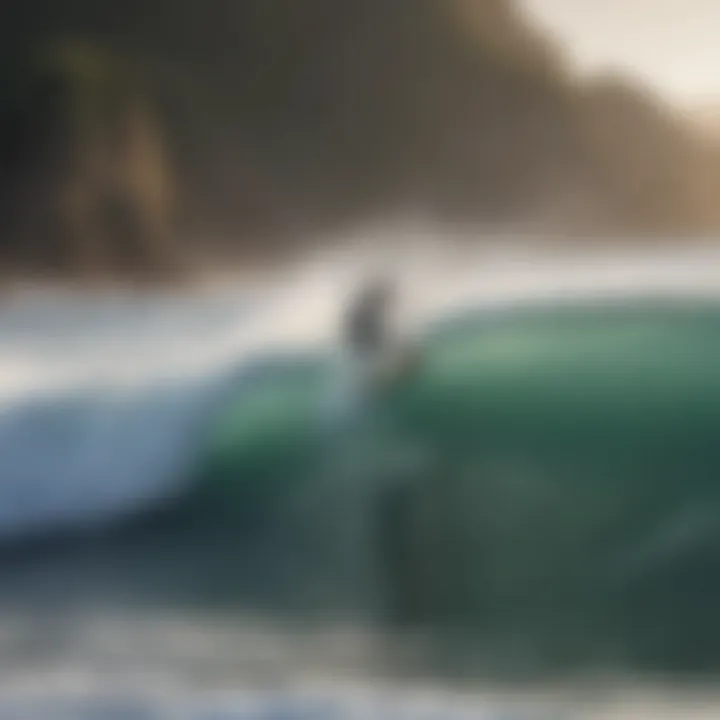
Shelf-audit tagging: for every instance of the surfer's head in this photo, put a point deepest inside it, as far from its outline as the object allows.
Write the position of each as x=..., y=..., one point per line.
x=379, y=291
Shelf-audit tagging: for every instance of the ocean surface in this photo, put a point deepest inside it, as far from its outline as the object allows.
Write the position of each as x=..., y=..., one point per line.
x=129, y=588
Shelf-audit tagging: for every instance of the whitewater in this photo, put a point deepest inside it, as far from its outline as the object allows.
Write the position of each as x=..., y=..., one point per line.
x=103, y=401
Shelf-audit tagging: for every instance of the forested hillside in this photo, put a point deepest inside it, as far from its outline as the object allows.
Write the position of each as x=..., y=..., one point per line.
x=140, y=136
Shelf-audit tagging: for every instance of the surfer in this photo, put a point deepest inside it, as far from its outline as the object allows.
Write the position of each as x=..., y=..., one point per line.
x=373, y=356
x=366, y=323
x=370, y=338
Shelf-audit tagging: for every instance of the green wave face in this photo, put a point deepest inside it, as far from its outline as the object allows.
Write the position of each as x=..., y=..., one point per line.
x=576, y=382
x=565, y=481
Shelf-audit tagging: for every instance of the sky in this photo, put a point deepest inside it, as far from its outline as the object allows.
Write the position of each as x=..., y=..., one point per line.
x=673, y=44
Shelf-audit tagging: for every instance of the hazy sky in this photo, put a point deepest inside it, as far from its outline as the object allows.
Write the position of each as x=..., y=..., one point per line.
x=673, y=43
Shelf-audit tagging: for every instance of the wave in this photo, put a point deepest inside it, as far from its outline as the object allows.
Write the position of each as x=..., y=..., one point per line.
x=549, y=486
